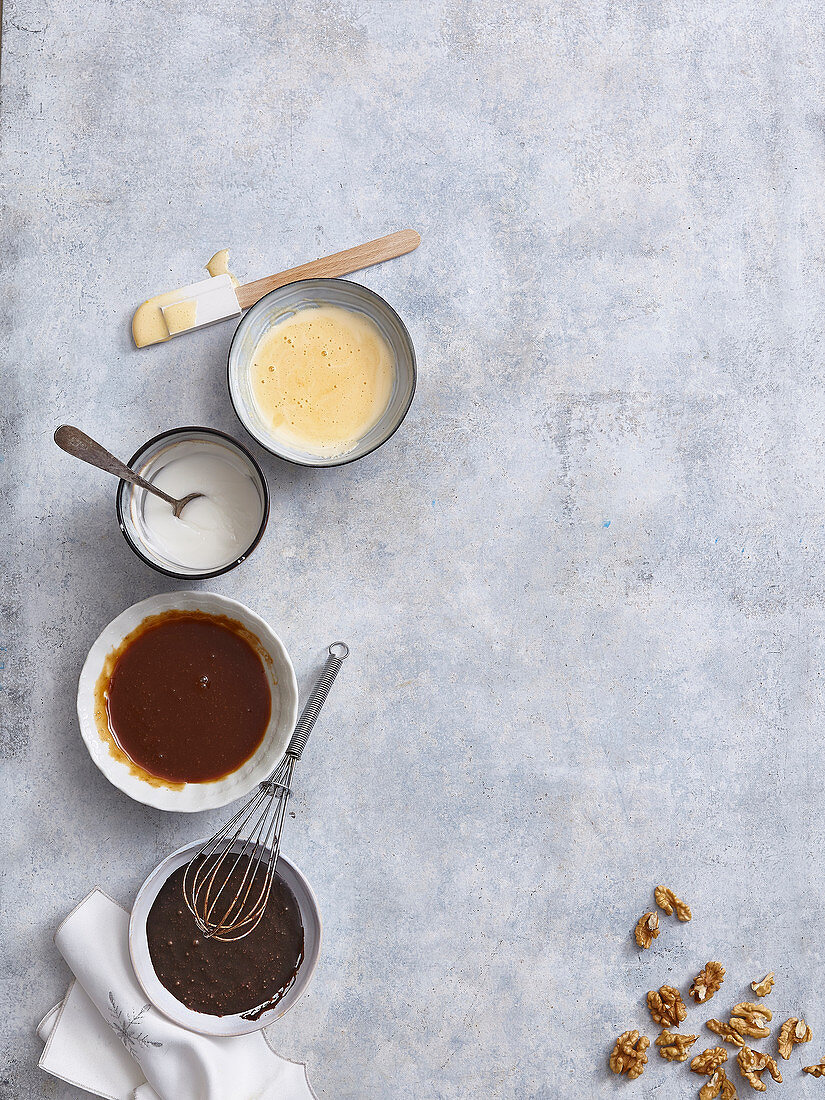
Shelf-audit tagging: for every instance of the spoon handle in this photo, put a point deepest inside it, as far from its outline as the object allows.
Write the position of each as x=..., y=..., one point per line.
x=76, y=443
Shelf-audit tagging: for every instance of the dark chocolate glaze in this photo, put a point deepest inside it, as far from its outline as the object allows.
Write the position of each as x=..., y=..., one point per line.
x=188, y=699
x=225, y=978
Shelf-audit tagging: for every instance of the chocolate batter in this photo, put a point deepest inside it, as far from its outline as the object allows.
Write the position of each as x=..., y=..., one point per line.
x=247, y=976
x=188, y=698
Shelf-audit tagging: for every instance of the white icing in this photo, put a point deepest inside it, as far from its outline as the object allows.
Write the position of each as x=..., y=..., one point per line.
x=217, y=528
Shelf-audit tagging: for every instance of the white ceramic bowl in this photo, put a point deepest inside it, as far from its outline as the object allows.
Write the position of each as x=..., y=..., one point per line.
x=192, y=796
x=202, y=1022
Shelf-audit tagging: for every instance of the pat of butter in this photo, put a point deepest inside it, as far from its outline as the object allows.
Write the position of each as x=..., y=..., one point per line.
x=211, y=299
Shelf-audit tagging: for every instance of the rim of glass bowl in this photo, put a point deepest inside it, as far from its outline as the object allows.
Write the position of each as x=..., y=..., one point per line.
x=123, y=486
x=345, y=459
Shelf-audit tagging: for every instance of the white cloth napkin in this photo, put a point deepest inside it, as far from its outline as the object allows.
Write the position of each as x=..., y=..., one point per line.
x=107, y=1039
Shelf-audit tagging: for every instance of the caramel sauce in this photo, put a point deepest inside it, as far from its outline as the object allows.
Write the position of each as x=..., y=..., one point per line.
x=184, y=698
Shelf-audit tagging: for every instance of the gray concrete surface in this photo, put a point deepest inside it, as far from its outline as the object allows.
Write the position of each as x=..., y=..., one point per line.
x=583, y=585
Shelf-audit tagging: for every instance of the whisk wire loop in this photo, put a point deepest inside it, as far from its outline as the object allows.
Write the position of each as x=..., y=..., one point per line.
x=238, y=862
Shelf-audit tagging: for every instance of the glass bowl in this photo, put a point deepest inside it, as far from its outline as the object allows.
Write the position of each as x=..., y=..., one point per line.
x=152, y=456
x=284, y=302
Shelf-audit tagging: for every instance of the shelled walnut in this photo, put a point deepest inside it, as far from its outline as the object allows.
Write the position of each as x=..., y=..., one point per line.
x=628, y=1054
x=666, y=1006
x=709, y=1060
x=647, y=929
x=726, y=1032
x=763, y=988
x=718, y=1086
x=752, y=1063
x=793, y=1031
x=707, y=982
x=674, y=1047
x=749, y=1019
x=667, y=901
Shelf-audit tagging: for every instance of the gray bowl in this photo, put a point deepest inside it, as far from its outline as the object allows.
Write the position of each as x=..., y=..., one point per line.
x=284, y=302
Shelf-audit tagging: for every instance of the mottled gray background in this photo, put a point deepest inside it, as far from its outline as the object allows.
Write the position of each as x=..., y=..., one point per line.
x=583, y=585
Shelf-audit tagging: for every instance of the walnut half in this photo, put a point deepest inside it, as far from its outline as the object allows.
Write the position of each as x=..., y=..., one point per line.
x=726, y=1032
x=707, y=982
x=815, y=1071
x=667, y=901
x=763, y=988
x=793, y=1031
x=647, y=929
x=709, y=1060
x=719, y=1085
x=666, y=1007
x=749, y=1019
x=754, y=1062
x=628, y=1055
x=674, y=1047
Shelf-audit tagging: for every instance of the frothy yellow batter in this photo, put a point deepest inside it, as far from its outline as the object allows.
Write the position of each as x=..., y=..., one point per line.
x=180, y=316
x=322, y=378
x=219, y=265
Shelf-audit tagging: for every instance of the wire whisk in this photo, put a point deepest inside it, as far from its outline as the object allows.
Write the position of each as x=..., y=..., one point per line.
x=227, y=883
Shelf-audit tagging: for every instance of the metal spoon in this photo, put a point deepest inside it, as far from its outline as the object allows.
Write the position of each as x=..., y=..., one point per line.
x=75, y=442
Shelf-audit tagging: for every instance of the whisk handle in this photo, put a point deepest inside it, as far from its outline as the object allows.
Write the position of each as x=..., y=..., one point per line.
x=338, y=653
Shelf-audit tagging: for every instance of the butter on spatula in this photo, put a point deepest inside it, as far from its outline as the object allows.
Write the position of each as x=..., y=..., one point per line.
x=219, y=297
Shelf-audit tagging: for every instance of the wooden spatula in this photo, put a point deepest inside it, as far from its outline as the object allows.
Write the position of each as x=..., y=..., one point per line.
x=217, y=299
